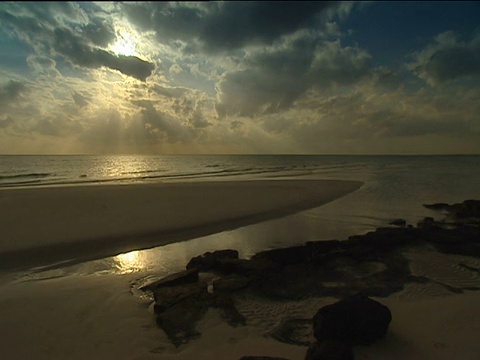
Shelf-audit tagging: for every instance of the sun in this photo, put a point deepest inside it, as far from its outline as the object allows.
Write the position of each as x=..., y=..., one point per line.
x=126, y=44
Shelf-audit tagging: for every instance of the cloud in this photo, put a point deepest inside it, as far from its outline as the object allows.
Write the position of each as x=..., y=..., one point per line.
x=11, y=91
x=45, y=31
x=278, y=76
x=374, y=120
x=100, y=32
x=170, y=92
x=448, y=59
x=80, y=100
x=7, y=122
x=224, y=26
x=79, y=53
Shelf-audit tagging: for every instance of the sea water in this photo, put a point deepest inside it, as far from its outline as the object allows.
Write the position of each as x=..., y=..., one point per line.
x=394, y=187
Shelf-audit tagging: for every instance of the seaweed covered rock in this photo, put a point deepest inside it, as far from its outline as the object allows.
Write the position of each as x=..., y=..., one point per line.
x=356, y=320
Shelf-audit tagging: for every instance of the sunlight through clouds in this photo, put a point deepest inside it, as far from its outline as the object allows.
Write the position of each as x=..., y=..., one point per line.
x=237, y=77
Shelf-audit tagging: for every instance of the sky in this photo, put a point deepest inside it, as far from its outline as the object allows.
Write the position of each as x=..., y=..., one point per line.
x=240, y=77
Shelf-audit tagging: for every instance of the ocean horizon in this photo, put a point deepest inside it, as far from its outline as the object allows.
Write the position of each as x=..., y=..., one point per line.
x=42, y=170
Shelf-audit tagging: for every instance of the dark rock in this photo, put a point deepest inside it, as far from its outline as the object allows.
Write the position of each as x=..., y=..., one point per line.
x=182, y=277
x=212, y=260
x=230, y=283
x=466, y=209
x=398, y=222
x=168, y=296
x=299, y=254
x=329, y=350
x=179, y=308
x=437, y=206
x=427, y=223
x=285, y=256
x=179, y=321
x=229, y=312
x=292, y=282
x=356, y=320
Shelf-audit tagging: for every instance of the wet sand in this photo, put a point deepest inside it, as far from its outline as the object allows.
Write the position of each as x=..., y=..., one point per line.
x=46, y=225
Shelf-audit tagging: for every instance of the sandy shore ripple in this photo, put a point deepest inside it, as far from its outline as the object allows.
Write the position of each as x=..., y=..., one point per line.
x=45, y=225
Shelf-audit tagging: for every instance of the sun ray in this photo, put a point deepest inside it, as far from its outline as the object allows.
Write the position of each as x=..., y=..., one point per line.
x=126, y=44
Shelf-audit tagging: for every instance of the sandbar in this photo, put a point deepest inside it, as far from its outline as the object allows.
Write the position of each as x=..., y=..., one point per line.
x=55, y=224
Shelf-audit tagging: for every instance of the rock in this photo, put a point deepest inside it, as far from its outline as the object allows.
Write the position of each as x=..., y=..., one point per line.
x=179, y=308
x=166, y=297
x=180, y=320
x=229, y=312
x=398, y=222
x=464, y=210
x=437, y=206
x=285, y=256
x=329, y=350
x=230, y=283
x=356, y=320
x=427, y=223
x=212, y=260
x=183, y=277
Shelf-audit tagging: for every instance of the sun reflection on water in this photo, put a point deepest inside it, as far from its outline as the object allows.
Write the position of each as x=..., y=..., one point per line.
x=130, y=262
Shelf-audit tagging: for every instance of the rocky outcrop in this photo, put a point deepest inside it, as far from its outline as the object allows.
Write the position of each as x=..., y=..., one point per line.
x=371, y=264
x=398, y=222
x=181, y=300
x=212, y=260
x=459, y=211
x=356, y=320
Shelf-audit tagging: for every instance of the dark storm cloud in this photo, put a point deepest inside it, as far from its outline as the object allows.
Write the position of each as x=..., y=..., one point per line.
x=79, y=53
x=100, y=32
x=276, y=78
x=448, y=59
x=237, y=24
x=226, y=25
x=10, y=92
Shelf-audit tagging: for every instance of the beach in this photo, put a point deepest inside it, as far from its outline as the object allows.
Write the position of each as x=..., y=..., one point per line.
x=55, y=313
x=91, y=222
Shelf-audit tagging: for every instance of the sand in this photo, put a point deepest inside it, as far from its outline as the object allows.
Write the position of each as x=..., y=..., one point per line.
x=41, y=226
x=97, y=316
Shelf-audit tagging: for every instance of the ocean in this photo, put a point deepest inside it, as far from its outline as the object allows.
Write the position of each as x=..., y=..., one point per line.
x=394, y=187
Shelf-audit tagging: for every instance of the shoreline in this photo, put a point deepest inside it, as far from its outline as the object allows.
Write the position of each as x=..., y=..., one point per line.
x=100, y=318
x=76, y=224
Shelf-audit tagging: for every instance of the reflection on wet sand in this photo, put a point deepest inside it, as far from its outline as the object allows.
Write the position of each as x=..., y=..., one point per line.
x=128, y=263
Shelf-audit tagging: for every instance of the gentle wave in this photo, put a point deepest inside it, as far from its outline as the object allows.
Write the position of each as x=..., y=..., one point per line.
x=83, y=180
x=30, y=175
